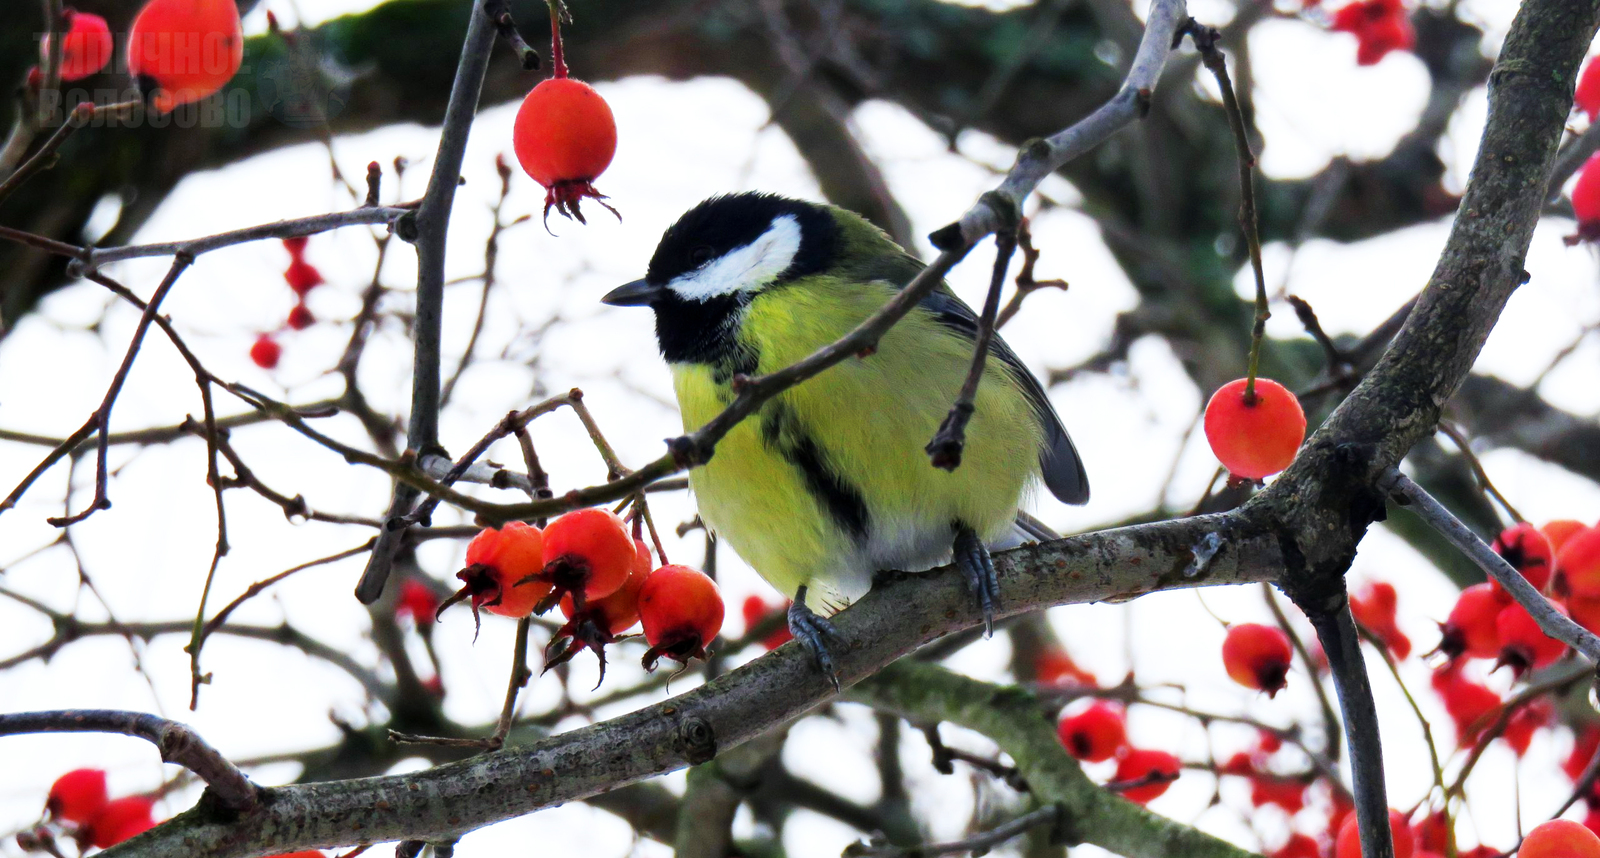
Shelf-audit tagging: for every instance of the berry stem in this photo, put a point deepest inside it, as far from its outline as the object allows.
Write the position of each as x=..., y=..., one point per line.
x=1205, y=40
x=558, y=57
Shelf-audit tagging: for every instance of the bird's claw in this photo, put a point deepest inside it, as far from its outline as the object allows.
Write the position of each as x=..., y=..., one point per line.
x=813, y=632
x=972, y=558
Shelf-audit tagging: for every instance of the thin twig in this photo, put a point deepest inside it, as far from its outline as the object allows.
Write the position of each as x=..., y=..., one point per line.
x=977, y=844
x=1205, y=39
x=1552, y=621
x=944, y=449
x=430, y=227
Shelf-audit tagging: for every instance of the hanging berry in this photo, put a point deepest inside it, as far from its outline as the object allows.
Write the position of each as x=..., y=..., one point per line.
x=1587, y=97
x=300, y=317
x=681, y=610
x=120, y=820
x=588, y=555
x=1257, y=438
x=1257, y=656
x=78, y=796
x=1560, y=838
x=565, y=135
x=601, y=621
x=1380, y=26
x=266, y=351
x=1528, y=551
x=184, y=50
x=756, y=610
x=1586, y=202
x=1470, y=629
x=499, y=562
x=85, y=49
x=1096, y=734
x=1159, y=768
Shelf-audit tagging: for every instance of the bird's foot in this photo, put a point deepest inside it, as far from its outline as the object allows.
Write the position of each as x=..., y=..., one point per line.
x=813, y=632
x=972, y=558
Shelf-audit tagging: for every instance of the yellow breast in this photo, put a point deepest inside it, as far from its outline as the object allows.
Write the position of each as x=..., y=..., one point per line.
x=869, y=418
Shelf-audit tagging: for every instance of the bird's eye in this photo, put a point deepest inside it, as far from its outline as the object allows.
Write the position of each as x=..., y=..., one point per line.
x=701, y=255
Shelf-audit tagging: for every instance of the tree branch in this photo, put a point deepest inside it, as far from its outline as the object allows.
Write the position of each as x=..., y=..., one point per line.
x=177, y=743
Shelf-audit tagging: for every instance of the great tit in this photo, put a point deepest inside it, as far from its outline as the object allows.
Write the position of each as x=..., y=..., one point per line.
x=827, y=484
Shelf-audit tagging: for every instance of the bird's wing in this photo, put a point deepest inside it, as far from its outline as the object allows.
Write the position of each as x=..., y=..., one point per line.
x=1063, y=469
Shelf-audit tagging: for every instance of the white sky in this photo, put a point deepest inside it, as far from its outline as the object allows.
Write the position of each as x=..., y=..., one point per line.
x=679, y=143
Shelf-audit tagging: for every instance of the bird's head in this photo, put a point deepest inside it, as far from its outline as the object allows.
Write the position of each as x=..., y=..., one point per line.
x=720, y=255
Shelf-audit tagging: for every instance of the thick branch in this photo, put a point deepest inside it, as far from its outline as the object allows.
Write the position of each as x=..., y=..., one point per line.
x=896, y=618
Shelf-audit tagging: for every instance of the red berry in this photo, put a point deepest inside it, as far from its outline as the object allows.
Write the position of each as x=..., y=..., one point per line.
x=1578, y=562
x=1298, y=846
x=77, y=796
x=619, y=611
x=1096, y=733
x=601, y=620
x=266, y=351
x=1137, y=764
x=1269, y=743
x=1432, y=834
x=1254, y=440
x=1470, y=628
x=302, y=276
x=187, y=48
x=1054, y=666
x=1385, y=34
x=1527, y=721
x=1560, y=838
x=681, y=610
x=1472, y=708
x=756, y=609
x=296, y=245
x=120, y=820
x=1257, y=656
x=300, y=317
x=1523, y=645
x=498, y=561
x=1287, y=793
x=1561, y=530
x=1528, y=551
x=1348, y=844
x=1374, y=608
x=564, y=137
x=1585, y=742
x=1586, y=201
x=1587, y=98
x=588, y=552
x=1585, y=611
x=1591, y=820
x=85, y=49
x=416, y=601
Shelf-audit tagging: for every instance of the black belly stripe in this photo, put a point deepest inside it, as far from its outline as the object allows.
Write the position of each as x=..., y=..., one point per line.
x=842, y=500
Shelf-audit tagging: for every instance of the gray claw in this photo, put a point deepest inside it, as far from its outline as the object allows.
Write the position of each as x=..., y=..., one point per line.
x=973, y=560
x=813, y=632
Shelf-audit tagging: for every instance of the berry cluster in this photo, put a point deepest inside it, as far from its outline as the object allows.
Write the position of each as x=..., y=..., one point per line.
x=302, y=277
x=79, y=806
x=179, y=51
x=79, y=802
x=1098, y=733
x=601, y=576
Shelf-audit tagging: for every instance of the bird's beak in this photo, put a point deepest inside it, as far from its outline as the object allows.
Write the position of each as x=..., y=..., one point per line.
x=635, y=294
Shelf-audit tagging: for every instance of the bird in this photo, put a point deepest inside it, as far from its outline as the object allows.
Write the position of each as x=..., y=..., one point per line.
x=827, y=484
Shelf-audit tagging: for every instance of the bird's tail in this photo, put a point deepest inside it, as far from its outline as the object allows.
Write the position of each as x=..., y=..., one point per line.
x=1026, y=529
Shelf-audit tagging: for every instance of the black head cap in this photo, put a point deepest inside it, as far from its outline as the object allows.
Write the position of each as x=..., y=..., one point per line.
x=730, y=221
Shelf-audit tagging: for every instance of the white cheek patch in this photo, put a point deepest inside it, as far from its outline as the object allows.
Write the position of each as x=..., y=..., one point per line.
x=746, y=268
